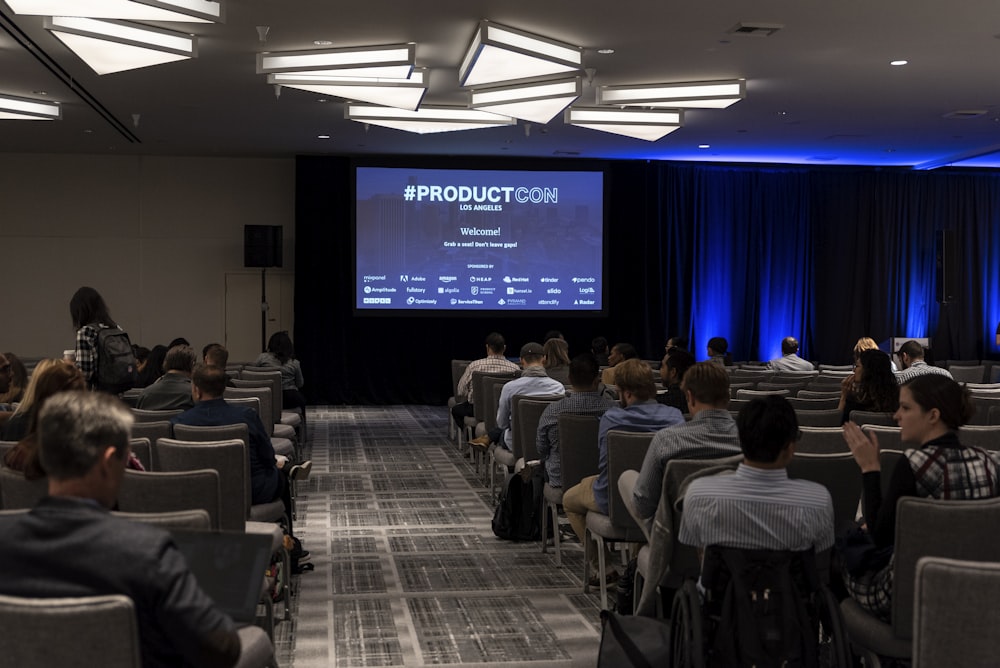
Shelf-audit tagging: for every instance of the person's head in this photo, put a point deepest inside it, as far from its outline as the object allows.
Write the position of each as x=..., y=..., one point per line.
x=280, y=345
x=717, y=345
x=875, y=382
x=599, y=345
x=910, y=352
x=51, y=377
x=495, y=344
x=677, y=342
x=18, y=377
x=556, y=353
x=621, y=352
x=768, y=429
x=215, y=354
x=863, y=344
x=789, y=345
x=532, y=354
x=179, y=341
x=930, y=406
x=141, y=356
x=208, y=382
x=154, y=363
x=552, y=334
x=83, y=440
x=707, y=384
x=635, y=381
x=180, y=359
x=584, y=373
x=87, y=307
x=6, y=373
x=679, y=361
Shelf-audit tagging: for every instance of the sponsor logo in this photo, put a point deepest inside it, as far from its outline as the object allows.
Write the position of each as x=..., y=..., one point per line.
x=548, y=279
x=377, y=300
x=553, y=291
x=447, y=279
x=584, y=279
x=372, y=279
x=587, y=291
x=548, y=302
x=415, y=290
x=492, y=194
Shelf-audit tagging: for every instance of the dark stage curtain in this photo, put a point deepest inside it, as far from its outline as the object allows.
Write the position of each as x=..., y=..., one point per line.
x=751, y=253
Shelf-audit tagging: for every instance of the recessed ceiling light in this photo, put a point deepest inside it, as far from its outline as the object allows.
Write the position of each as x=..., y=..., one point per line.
x=322, y=99
x=605, y=52
x=322, y=42
x=897, y=63
x=322, y=136
x=40, y=92
x=704, y=146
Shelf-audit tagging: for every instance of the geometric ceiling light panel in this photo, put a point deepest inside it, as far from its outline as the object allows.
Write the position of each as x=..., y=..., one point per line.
x=427, y=119
x=536, y=102
x=636, y=123
x=194, y=11
x=25, y=109
x=694, y=94
x=394, y=61
x=399, y=93
x=498, y=54
x=115, y=46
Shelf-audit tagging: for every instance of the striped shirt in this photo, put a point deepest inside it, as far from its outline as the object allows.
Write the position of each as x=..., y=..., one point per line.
x=919, y=368
x=491, y=364
x=760, y=509
x=579, y=403
x=710, y=434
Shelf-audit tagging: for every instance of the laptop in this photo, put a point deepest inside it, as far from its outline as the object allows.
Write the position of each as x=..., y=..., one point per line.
x=229, y=567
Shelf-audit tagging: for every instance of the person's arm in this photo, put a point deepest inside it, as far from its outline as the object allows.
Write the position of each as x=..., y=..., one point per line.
x=503, y=408
x=299, y=379
x=543, y=439
x=86, y=356
x=880, y=515
x=465, y=383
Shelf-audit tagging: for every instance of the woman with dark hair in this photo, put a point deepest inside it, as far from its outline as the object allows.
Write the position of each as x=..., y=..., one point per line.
x=281, y=355
x=556, y=360
x=873, y=386
x=153, y=367
x=718, y=351
x=931, y=409
x=90, y=314
x=18, y=380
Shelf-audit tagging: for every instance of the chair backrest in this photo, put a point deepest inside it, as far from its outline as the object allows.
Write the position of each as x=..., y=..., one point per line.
x=955, y=613
x=161, y=492
x=889, y=459
x=983, y=405
x=799, y=403
x=228, y=458
x=62, y=625
x=839, y=474
x=18, y=492
x=272, y=378
x=873, y=417
x=980, y=436
x=889, y=438
x=949, y=364
x=753, y=394
x=821, y=440
x=458, y=368
x=189, y=520
x=742, y=385
x=937, y=528
x=849, y=368
x=479, y=380
x=626, y=450
x=145, y=415
x=813, y=393
x=968, y=374
x=527, y=411
x=829, y=417
x=143, y=450
x=131, y=397
x=492, y=387
x=246, y=402
x=792, y=386
x=578, y=447
x=263, y=395
x=152, y=430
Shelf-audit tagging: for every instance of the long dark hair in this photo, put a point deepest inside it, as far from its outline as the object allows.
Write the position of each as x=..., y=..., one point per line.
x=877, y=388
x=87, y=307
x=280, y=345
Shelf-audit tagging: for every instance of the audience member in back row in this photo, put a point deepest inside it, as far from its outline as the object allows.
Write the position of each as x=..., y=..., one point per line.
x=871, y=388
x=718, y=351
x=557, y=360
x=280, y=355
x=599, y=346
x=90, y=315
x=931, y=410
x=494, y=362
x=5, y=373
x=70, y=545
x=675, y=364
x=154, y=366
x=173, y=389
x=18, y=380
x=639, y=412
x=215, y=354
x=867, y=343
x=619, y=353
x=911, y=357
x=710, y=433
x=584, y=400
x=789, y=360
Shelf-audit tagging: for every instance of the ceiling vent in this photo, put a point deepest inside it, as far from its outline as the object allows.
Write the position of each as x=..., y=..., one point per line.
x=965, y=113
x=749, y=29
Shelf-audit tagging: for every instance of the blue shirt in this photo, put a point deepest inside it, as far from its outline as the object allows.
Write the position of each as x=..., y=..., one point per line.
x=547, y=442
x=644, y=416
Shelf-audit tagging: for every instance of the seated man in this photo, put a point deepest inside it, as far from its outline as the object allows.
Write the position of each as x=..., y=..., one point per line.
x=639, y=412
x=710, y=433
x=534, y=382
x=760, y=507
x=70, y=545
x=789, y=360
x=718, y=351
x=583, y=400
x=911, y=358
x=675, y=364
x=173, y=389
x=494, y=362
x=268, y=481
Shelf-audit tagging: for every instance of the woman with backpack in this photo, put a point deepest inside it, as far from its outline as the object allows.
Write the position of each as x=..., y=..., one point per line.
x=105, y=358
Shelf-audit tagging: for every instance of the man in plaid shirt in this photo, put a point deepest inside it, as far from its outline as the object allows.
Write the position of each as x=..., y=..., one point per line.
x=494, y=362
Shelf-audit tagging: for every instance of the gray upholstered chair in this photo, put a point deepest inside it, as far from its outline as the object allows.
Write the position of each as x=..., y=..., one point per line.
x=889, y=438
x=152, y=430
x=33, y=628
x=228, y=458
x=793, y=386
x=955, y=615
x=820, y=393
x=145, y=415
x=527, y=411
x=873, y=417
x=188, y=520
x=821, y=440
x=578, y=457
x=283, y=427
x=839, y=474
x=18, y=492
x=799, y=404
x=458, y=368
x=143, y=450
x=980, y=436
x=924, y=528
x=753, y=394
x=829, y=417
x=968, y=374
x=983, y=404
x=160, y=492
x=282, y=446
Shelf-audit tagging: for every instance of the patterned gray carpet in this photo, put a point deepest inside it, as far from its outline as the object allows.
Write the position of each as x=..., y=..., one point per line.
x=407, y=569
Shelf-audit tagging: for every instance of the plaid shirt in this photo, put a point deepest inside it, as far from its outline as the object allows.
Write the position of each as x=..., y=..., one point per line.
x=490, y=364
x=948, y=472
x=86, y=351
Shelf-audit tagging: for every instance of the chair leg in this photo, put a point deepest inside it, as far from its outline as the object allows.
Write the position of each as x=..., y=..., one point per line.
x=586, y=561
x=601, y=569
x=637, y=584
x=545, y=524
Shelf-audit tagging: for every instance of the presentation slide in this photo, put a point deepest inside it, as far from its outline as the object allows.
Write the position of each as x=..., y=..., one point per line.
x=479, y=240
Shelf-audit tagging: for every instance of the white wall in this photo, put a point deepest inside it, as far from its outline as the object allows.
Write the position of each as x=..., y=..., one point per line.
x=156, y=236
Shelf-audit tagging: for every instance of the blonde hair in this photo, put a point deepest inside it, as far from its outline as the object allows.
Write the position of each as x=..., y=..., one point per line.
x=635, y=376
x=863, y=344
x=31, y=391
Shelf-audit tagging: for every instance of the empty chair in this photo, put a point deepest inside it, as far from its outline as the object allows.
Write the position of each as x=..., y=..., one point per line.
x=986, y=437
x=968, y=374
x=949, y=364
x=873, y=417
x=142, y=415
x=821, y=440
x=527, y=411
x=847, y=368
x=18, y=492
x=143, y=451
x=819, y=418
x=983, y=405
x=578, y=454
x=798, y=403
x=742, y=385
x=228, y=458
x=282, y=445
x=159, y=492
x=777, y=384
x=152, y=430
x=888, y=437
x=813, y=393
x=838, y=472
x=753, y=394
x=284, y=426
x=458, y=368
x=189, y=520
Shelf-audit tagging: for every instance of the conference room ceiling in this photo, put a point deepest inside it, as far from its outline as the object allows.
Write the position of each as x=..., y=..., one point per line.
x=820, y=90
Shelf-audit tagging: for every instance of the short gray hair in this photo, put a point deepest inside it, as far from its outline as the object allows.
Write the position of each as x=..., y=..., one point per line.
x=180, y=358
x=75, y=427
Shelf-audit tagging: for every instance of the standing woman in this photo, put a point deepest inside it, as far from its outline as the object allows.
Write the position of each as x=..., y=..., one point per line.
x=90, y=315
x=281, y=355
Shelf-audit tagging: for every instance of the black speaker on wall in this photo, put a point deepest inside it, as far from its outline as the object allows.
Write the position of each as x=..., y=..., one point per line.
x=262, y=245
x=946, y=266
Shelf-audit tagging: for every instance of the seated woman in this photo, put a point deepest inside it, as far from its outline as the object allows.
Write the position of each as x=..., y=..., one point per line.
x=931, y=409
x=281, y=355
x=872, y=387
x=557, y=360
x=18, y=380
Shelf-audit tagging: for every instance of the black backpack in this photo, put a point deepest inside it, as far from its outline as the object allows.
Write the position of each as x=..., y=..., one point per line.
x=116, y=365
x=519, y=514
x=763, y=619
